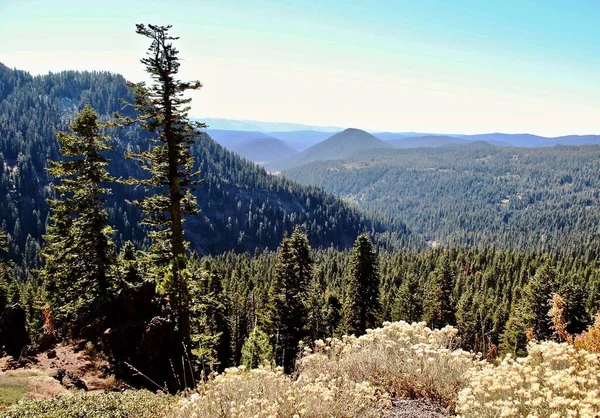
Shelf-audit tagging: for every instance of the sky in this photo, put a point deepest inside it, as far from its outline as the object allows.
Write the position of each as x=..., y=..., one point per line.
x=459, y=66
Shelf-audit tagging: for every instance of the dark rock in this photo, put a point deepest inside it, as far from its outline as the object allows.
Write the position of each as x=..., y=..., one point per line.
x=79, y=346
x=51, y=353
x=13, y=326
x=70, y=381
x=58, y=374
x=157, y=331
x=29, y=351
x=47, y=341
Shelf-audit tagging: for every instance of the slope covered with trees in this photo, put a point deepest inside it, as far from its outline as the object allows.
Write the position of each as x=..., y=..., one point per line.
x=241, y=206
x=341, y=145
x=479, y=195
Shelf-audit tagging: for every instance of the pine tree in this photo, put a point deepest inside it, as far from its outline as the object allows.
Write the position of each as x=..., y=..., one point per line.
x=536, y=301
x=287, y=311
x=316, y=308
x=438, y=304
x=128, y=265
x=408, y=303
x=163, y=111
x=257, y=349
x=210, y=331
x=575, y=313
x=361, y=288
x=79, y=252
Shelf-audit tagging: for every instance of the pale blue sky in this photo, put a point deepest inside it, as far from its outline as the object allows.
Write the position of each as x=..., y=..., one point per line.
x=429, y=65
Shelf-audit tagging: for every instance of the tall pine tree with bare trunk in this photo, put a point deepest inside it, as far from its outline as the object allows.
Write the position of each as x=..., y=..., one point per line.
x=162, y=109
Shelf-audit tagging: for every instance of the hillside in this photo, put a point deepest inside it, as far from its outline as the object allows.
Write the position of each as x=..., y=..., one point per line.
x=341, y=145
x=242, y=207
x=230, y=138
x=302, y=139
x=430, y=141
x=263, y=150
x=477, y=195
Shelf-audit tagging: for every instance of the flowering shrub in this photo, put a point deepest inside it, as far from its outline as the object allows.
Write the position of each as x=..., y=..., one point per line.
x=554, y=380
x=408, y=360
x=265, y=393
x=348, y=377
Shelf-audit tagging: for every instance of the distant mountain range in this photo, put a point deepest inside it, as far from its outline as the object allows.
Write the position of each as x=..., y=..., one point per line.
x=341, y=145
x=229, y=133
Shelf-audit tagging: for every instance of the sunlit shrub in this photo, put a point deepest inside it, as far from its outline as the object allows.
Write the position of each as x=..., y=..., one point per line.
x=266, y=393
x=408, y=360
x=130, y=404
x=554, y=380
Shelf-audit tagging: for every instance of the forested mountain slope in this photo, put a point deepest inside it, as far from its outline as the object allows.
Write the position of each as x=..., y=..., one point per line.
x=429, y=141
x=242, y=207
x=545, y=199
x=341, y=145
x=263, y=150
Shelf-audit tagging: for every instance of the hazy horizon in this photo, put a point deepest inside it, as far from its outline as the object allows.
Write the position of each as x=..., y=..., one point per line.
x=461, y=67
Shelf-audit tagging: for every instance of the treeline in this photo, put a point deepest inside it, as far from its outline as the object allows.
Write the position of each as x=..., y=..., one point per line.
x=497, y=298
x=241, y=206
x=477, y=195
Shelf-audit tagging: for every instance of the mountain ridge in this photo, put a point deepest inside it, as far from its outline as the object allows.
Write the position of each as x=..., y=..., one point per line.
x=341, y=145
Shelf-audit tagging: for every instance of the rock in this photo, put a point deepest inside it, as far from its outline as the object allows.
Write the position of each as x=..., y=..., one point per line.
x=70, y=381
x=47, y=341
x=25, y=362
x=51, y=353
x=29, y=351
x=13, y=326
x=58, y=374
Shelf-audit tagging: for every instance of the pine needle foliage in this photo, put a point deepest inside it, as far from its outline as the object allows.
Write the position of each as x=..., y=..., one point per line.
x=79, y=252
x=361, y=288
x=162, y=110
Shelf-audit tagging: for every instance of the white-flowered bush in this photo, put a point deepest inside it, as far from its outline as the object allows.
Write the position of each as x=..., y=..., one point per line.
x=405, y=359
x=266, y=393
x=554, y=380
x=348, y=377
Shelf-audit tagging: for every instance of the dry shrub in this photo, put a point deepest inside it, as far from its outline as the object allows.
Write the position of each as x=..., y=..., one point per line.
x=590, y=340
x=267, y=393
x=557, y=316
x=554, y=380
x=408, y=360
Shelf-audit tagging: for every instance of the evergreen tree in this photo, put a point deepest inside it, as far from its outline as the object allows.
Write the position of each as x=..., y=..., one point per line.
x=210, y=331
x=514, y=337
x=408, y=303
x=361, y=288
x=163, y=111
x=316, y=308
x=5, y=273
x=575, y=312
x=79, y=252
x=287, y=311
x=257, y=349
x=128, y=265
x=536, y=301
x=438, y=304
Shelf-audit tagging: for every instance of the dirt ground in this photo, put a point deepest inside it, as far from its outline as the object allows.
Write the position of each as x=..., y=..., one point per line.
x=416, y=408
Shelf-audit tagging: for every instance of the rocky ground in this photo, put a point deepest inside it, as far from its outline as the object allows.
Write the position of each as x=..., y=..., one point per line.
x=416, y=408
x=43, y=374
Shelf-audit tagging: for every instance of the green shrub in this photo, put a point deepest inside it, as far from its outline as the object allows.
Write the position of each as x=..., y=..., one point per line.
x=128, y=404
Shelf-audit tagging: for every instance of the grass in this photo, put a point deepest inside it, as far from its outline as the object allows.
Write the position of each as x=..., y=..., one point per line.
x=26, y=383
